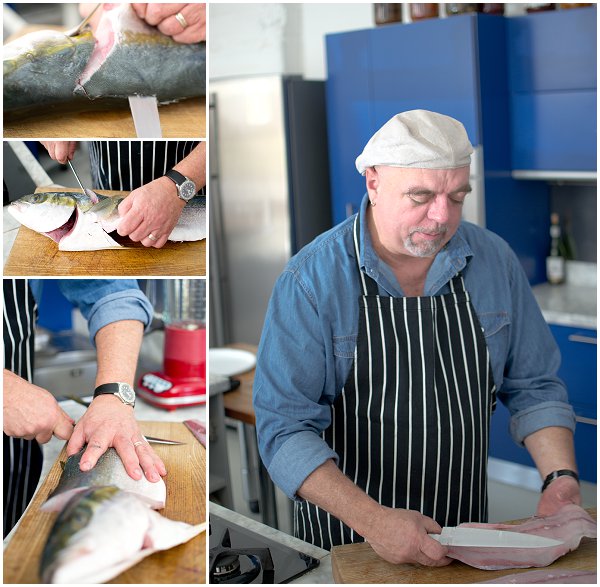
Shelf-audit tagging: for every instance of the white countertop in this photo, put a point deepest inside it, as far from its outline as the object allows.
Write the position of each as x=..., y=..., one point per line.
x=572, y=303
x=321, y=575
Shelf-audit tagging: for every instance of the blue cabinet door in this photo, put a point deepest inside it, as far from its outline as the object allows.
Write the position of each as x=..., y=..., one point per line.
x=430, y=65
x=349, y=117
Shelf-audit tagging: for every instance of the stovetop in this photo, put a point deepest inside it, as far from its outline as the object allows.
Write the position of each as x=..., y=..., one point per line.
x=239, y=555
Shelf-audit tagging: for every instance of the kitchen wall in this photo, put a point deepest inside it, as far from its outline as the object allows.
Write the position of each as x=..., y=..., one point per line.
x=254, y=39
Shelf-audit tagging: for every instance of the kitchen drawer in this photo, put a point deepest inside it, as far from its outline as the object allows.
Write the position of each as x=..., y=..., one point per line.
x=578, y=367
x=554, y=131
x=552, y=51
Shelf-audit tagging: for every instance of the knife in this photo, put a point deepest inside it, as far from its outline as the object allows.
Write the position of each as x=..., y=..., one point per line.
x=484, y=538
x=86, y=191
x=144, y=111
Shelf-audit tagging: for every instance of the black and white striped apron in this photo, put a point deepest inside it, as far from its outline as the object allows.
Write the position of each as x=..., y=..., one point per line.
x=411, y=425
x=127, y=165
x=22, y=458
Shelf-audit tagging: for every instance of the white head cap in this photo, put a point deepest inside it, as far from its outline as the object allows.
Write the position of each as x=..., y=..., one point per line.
x=418, y=139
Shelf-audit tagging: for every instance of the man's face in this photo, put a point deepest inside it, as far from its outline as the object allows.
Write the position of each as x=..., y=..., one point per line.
x=417, y=211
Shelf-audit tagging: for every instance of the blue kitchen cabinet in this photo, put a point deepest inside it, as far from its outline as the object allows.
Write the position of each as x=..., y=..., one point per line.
x=456, y=66
x=578, y=371
x=552, y=79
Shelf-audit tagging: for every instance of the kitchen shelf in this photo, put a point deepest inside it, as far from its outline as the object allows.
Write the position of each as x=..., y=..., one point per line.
x=558, y=176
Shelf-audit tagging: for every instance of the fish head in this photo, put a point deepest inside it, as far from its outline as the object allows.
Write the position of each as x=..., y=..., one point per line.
x=45, y=211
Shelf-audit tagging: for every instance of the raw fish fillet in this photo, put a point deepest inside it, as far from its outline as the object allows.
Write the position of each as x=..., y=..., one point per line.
x=550, y=576
x=109, y=470
x=569, y=525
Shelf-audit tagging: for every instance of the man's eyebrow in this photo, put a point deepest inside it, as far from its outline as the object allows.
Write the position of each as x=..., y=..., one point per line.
x=463, y=189
x=417, y=191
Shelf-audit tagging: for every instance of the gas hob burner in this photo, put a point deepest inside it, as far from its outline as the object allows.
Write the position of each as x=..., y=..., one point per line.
x=239, y=565
x=238, y=554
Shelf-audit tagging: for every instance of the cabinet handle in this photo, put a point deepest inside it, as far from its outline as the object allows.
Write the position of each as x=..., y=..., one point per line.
x=349, y=209
x=585, y=420
x=582, y=338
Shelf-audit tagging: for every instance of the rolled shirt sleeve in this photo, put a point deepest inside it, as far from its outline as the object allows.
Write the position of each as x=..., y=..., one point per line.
x=103, y=301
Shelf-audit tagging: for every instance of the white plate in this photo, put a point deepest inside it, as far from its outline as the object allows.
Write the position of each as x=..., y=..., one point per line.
x=229, y=362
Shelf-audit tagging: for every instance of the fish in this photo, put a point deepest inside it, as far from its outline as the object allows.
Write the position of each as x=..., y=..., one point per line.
x=569, y=525
x=104, y=531
x=124, y=57
x=109, y=470
x=78, y=222
x=134, y=58
x=43, y=67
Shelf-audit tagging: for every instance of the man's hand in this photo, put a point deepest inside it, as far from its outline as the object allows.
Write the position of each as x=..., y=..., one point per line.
x=108, y=422
x=32, y=412
x=163, y=17
x=152, y=209
x=61, y=151
x=560, y=492
x=400, y=536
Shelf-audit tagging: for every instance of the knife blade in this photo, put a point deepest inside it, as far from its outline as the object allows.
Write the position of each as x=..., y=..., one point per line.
x=485, y=538
x=155, y=440
x=88, y=192
x=144, y=110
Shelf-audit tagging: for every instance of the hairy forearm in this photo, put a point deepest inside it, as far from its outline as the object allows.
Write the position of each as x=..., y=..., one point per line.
x=551, y=449
x=328, y=488
x=118, y=346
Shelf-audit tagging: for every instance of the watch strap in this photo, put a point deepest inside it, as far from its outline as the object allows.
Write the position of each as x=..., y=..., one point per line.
x=106, y=388
x=560, y=473
x=175, y=176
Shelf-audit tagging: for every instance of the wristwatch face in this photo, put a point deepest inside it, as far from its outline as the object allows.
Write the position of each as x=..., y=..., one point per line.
x=187, y=190
x=127, y=393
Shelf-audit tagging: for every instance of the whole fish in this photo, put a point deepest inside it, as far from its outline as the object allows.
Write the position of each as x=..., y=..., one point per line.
x=124, y=57
x=104, y=531
x=109, y=470
x=43, y=67
x=78, y=223
x=132, y=57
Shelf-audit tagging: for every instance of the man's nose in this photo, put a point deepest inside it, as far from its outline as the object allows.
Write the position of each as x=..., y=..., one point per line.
x=438, y=209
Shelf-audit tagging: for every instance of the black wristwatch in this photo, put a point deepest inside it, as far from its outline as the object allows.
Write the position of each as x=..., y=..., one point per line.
x=186, y=188
x=123, y=391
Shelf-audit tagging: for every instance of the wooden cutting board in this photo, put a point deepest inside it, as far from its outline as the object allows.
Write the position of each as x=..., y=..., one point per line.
x=358, y=563
x=35, y=254
x=186, y=501
x=101, y=120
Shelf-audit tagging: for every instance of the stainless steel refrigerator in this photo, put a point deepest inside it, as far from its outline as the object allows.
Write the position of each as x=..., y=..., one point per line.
x=268, y=194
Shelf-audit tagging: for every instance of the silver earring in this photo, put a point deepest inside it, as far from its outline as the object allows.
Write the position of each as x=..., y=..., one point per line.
x=372, y=202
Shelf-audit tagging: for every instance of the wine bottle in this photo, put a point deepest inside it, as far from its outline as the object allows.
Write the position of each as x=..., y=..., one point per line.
x=555, y=261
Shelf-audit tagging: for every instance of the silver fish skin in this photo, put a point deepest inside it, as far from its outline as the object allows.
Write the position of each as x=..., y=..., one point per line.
x=102, y=532
x=43, y=67
x=76, y=223
x=109, y=470
x=134, y=58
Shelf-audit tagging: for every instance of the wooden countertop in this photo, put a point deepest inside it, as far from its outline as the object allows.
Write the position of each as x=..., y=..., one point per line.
x=186, y=501
x=238, y=402
x=101, y=120
x=358, y=563
x=35, y=254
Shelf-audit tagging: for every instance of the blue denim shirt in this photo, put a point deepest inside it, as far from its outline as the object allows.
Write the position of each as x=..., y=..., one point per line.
x=102, y=301
x=307, y=345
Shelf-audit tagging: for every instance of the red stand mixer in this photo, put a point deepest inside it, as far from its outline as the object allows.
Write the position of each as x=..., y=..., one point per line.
x=182, y=381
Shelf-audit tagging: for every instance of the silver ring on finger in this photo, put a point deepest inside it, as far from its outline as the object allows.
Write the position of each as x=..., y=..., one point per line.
x=152, y=237
x=137, y=443
x=181, y=20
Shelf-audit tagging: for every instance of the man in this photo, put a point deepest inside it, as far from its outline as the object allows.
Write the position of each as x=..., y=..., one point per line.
x=385, y=345
x=117, y=313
